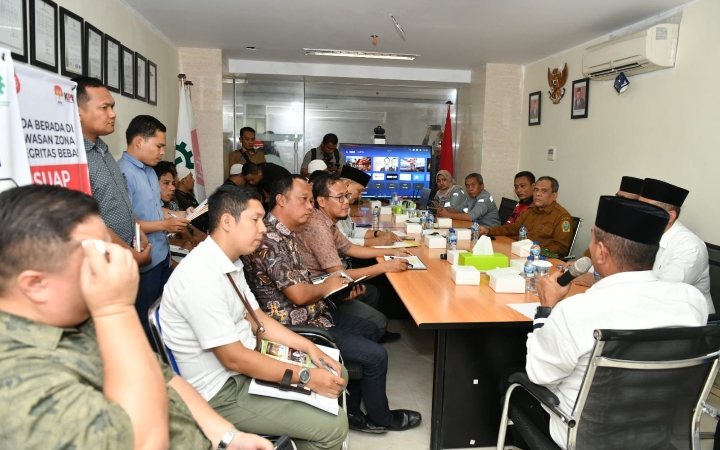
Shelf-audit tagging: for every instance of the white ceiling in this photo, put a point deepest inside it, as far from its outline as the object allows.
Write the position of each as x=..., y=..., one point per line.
x=450, y=34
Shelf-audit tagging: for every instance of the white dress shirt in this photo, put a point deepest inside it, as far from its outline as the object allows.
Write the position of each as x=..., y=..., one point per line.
x=683, y=257
x=558, y=353
x=354, y=234
x=200, y=310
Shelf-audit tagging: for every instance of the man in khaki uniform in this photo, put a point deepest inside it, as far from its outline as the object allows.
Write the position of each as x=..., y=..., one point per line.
x=547, y=222
x=247, y=152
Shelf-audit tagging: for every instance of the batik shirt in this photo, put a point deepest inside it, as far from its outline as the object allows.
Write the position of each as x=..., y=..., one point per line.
x=276, y=265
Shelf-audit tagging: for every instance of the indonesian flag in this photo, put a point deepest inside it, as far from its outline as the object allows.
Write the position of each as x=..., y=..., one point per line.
x=187, y=148
x=446, y=151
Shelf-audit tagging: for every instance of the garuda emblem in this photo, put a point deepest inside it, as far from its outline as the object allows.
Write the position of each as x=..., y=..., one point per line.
x=556, y=80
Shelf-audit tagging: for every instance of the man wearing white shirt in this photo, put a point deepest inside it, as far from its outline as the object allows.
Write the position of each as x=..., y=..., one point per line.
x=206, y=325
x=624, y=243
x=682, y=255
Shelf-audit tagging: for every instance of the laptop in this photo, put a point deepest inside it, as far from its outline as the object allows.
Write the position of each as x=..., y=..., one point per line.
x=424, y=199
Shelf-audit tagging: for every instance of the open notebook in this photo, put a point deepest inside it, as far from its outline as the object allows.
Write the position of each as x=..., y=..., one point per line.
x=314, y=399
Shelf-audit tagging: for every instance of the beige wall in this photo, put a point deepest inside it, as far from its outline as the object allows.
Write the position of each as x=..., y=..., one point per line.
x=116, y=19
x=204, y=67
x=489, y=127
x=664, y=126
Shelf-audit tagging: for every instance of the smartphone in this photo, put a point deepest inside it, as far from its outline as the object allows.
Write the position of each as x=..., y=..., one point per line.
x=283, y=443
x=435, y=127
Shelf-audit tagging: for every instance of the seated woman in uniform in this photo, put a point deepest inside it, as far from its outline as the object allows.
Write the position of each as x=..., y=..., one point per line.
x=449, y=195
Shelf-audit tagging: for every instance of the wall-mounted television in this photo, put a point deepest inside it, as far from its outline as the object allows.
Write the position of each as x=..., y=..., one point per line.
x=404, y=169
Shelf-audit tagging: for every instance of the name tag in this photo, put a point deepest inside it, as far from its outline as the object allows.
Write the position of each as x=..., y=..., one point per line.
x=447, y=204
x=482, y=200
x=455, y=193
x=464, y=210
x=491, y=199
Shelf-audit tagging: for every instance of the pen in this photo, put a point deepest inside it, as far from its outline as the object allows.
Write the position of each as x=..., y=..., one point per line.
x=172, y=215
x=332, y=371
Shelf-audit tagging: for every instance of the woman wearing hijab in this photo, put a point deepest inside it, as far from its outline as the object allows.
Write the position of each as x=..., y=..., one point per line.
x=449, y=195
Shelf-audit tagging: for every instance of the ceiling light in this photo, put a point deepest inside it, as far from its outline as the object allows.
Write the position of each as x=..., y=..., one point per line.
x=356, y=54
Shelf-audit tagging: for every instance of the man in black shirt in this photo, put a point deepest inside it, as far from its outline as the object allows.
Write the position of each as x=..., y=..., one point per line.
x=262, y=176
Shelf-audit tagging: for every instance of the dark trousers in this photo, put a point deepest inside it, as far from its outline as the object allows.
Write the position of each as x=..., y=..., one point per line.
x=356, y=338
x=150, y=289
x=530, y=407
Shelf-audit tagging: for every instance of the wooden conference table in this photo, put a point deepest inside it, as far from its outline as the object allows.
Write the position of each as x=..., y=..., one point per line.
x=478, y=339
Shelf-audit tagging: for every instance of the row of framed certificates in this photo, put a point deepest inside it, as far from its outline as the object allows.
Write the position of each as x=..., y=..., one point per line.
x=84, y=49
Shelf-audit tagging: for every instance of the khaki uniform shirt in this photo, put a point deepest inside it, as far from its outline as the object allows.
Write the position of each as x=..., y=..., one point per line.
x=551, y=226
x=236, y=157
x=51, y=392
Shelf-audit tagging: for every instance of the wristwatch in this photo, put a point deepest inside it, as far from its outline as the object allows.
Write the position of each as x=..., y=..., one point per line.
x=304, y=377
x=543, y=310
x=227, y=438
x=376, y=232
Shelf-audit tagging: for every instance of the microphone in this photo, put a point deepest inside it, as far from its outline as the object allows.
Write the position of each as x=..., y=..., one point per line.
x=580, y=267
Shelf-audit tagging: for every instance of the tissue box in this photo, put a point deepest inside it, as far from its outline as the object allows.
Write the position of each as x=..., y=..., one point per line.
x=518, y=262
x=400, y=218
x=483, y=262
x=434, y=241
x=466, y=275
x=413, y=228
x=385, y=210
x=462, y=233
x=521, y=248
x=507, y=280
x=375, y=203
x=444, y=222
x=453, y=256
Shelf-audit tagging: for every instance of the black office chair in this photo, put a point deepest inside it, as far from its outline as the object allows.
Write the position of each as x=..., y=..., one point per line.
x=643, y=389
x=575, y=228
x=505, y=209
x=714, y=260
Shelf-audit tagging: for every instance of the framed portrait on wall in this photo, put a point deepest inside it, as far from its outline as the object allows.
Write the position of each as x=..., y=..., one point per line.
x=112, y=64
x=71, y=44
x=534, y=108
x=580, y=98
x=13, y=29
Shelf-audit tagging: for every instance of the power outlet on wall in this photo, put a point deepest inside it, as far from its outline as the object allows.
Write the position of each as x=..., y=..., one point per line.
x=551, y=154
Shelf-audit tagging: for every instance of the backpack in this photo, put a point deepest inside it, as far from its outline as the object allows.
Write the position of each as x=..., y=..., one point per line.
x=336, y=154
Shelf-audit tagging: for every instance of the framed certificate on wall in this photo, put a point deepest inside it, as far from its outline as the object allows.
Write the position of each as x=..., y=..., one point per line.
x=93, y=56
x=13, y=28
x=152, y=83
x=43, y=34
x=112, y=64
x=140, y=77
x=127, y=72
x=71, y=44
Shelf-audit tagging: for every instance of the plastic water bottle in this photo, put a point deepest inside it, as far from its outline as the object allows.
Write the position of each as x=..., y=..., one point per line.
x=395, y=200
x=535, y=249
x=376, y=218
x=475, y=231
x=529, y=270
x=423, y=219
x=522, y=233
x=430, y=221
x=451, y=240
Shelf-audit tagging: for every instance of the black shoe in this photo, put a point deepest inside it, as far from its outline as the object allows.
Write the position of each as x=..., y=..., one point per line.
x=389, y=336
x=404, y=419
x=359, y=422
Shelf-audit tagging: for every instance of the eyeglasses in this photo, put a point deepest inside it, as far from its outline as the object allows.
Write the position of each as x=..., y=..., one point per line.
x=340, y=198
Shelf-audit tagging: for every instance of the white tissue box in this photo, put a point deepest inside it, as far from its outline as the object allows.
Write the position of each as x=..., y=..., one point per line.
x=434, y=241
x=400, y=218
x=375, y=203
x=507, y=280
x=453, y=256
x=466, y=275
x=521, y=248
x=462, y=233
x=518, y=262
x=413, y=228
x=444, y=222
x=385, y=210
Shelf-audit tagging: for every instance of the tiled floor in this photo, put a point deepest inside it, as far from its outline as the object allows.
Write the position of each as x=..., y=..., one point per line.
x=410, y=387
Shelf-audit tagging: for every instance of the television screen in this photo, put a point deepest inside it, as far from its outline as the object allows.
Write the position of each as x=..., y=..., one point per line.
x=404, y=169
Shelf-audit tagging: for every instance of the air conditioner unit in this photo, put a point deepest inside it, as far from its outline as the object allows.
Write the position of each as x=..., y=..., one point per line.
x=644, y=51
